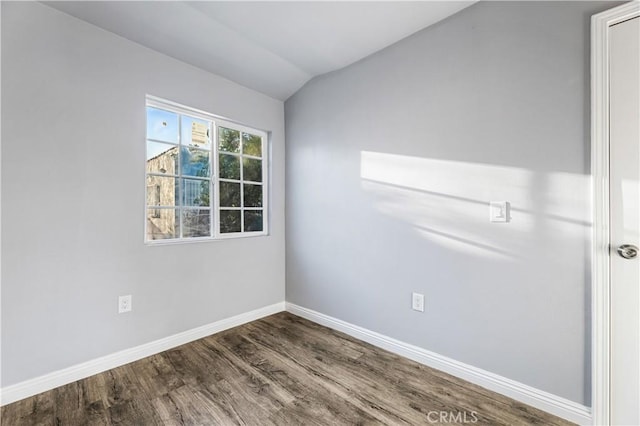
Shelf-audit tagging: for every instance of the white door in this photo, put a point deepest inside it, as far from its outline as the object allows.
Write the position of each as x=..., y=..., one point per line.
x=625, y=221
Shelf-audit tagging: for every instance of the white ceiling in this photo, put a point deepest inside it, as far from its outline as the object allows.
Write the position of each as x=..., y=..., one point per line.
x=271, y=47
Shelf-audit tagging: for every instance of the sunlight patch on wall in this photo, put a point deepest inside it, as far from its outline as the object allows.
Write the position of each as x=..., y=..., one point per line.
x=447, y=202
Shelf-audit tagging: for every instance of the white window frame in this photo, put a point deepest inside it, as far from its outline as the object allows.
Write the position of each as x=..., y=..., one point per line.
x=214, y=205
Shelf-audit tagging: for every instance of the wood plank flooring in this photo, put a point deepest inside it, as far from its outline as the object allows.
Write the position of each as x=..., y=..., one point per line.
x=280, y=370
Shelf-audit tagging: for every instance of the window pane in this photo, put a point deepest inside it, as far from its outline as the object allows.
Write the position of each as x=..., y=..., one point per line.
x=252, y=195
x=252, y=220
x=162, y=191
x=229, y=194
x=252, y=169
x=162, y=158
x=162, y=224
x=229, y=221
x=229, y=166
x=195, y=192
x=195, y=162
x=228, y=140
x=162, y=125
x=153, y=198
x=251, y=145
x=196, y=223
x=195, y=132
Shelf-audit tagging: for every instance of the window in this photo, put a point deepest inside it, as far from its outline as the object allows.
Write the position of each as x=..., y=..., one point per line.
x=205, y=177
x=154, y=192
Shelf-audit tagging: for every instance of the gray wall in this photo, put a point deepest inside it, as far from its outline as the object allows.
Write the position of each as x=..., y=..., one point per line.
x=391, y=164
x=73, y=115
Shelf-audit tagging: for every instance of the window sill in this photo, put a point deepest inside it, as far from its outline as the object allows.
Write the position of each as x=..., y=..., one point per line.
x=225, y=237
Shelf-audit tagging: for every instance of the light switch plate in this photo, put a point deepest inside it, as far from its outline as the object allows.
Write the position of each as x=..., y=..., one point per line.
x=417, y=302
x=499, y=211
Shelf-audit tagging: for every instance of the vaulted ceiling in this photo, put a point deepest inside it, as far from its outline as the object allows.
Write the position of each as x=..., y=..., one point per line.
x=271, y=47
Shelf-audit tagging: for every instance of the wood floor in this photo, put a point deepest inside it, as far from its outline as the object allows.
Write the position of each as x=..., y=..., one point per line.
x=281, y=370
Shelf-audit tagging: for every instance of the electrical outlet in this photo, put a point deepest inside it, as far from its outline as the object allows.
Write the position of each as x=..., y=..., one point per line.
x=417, y=302
x=124, y=304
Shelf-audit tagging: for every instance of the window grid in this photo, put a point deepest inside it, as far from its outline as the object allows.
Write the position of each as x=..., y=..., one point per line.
x=180, y=199
x=187, y=187
x=242, y=182
x=240, y=141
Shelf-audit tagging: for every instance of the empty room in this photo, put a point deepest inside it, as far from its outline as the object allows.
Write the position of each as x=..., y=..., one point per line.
x=320, y=213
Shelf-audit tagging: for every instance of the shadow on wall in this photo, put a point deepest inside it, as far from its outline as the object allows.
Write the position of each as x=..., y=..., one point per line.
x=447, y=202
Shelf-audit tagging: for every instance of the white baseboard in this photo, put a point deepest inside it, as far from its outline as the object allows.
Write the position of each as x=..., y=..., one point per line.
x=545, y=401
x=50, y=381
x=550, y=403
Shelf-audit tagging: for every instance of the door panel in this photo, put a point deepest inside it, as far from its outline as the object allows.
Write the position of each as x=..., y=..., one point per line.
x=625, y=220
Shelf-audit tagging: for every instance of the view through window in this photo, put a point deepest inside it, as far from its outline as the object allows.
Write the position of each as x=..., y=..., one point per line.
x=205, y=177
